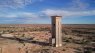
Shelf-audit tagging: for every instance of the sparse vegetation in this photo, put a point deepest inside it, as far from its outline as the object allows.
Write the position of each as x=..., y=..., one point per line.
x=74, y=37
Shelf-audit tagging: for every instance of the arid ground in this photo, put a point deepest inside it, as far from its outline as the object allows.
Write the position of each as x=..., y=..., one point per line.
x=34, y=38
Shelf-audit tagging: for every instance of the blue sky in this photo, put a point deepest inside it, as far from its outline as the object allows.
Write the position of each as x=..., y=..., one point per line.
x=39, y=11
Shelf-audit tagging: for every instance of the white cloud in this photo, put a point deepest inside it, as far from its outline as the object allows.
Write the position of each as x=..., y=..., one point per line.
x=50, y=12
x=16, y=3
x=7, y=15
x=28, y=15
x=20, y=14
x=47, y=12
x=78, y=5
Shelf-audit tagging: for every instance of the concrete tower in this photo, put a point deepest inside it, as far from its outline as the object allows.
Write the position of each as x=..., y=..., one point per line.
x=56, y=31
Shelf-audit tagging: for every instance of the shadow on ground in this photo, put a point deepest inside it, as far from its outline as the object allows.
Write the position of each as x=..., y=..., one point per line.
x=29, y=40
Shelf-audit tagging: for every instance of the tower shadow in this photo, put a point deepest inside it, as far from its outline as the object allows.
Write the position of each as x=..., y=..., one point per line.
x=28, y=40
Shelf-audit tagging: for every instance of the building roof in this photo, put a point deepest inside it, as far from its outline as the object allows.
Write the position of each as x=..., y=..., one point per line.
x=56, y=16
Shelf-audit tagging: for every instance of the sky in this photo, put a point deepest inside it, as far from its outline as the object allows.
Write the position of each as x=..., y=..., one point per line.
x=40, y=11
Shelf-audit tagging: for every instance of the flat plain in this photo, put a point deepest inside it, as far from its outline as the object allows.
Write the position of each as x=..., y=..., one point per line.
x=34, y=38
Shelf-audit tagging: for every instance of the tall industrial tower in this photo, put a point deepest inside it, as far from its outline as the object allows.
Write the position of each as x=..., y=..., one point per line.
x=56, y=31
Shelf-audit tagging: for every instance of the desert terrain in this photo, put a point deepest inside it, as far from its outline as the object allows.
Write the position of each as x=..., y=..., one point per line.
x=34, y=38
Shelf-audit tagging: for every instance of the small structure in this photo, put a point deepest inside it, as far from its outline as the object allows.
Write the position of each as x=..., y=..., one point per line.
x=56, y=31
